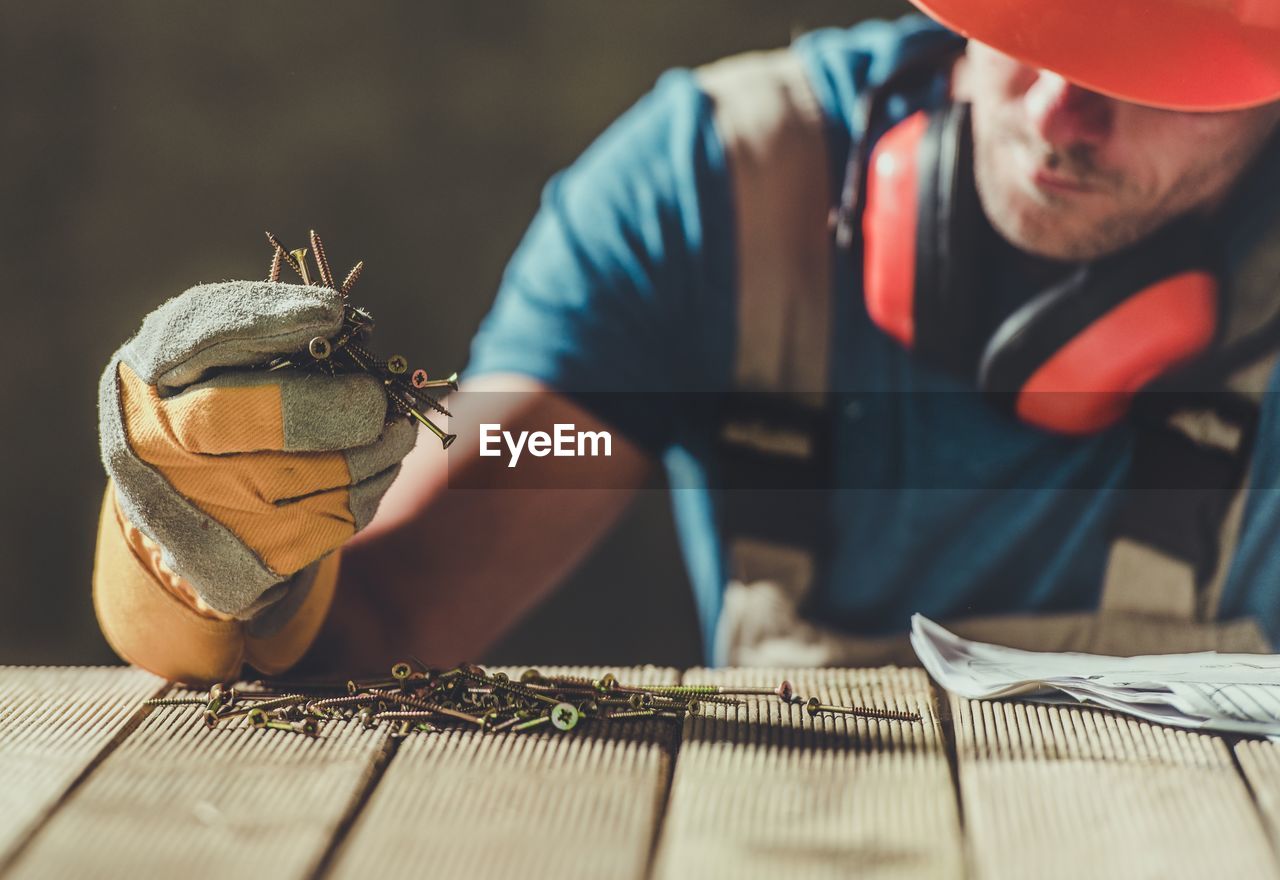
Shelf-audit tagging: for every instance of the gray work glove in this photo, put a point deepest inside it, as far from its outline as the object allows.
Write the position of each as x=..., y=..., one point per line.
x=245, y=478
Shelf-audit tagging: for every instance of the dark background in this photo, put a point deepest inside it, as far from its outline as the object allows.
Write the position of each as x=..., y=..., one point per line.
x=146, y=145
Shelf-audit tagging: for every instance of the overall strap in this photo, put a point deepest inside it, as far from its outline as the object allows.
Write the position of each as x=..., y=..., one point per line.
x=1175, y=543
x=775, y=426
x=1179, y=517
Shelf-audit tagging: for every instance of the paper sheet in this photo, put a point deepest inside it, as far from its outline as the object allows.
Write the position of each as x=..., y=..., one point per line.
x=1230, y=693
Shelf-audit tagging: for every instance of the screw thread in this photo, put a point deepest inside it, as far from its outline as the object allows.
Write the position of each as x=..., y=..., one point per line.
x=322, y=260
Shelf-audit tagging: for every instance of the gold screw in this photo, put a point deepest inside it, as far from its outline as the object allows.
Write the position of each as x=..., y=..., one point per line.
x=300, y=262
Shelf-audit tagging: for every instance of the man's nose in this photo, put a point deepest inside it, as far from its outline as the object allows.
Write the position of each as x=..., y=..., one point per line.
x=1065, y=114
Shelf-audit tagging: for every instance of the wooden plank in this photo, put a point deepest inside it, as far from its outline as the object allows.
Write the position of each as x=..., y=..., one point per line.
x=178, y=800
x=54, y=722
x=583, y=804
x=763, y=790
x=1052, y=791
x=1260, y=761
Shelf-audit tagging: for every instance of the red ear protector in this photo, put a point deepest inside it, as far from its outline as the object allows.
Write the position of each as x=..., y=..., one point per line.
x=1073, y=356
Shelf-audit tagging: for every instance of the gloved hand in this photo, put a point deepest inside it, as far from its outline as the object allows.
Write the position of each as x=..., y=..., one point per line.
x=245, y=479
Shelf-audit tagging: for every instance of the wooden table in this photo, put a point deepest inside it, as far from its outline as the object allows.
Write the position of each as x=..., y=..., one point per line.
x=94, y=785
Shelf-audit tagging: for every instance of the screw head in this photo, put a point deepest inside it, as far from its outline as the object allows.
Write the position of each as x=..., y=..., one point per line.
x=257, y=718
x=362, y=317
x=398, y=364
x=564, y=716
x=401, y=671
x=420, y=378
x=320, y=348
x=812, y=706
x=786, y=691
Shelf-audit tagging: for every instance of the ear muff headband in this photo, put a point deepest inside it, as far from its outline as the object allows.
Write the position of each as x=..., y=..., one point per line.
x=949, y=218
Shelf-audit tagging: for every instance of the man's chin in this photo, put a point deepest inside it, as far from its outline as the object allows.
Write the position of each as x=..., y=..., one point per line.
x=1052, y=232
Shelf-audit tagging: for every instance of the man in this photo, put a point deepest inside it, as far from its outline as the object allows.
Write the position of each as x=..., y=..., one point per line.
x=1094, y=132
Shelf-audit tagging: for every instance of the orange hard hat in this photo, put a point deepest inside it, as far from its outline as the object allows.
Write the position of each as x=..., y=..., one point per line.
x=1176, y=54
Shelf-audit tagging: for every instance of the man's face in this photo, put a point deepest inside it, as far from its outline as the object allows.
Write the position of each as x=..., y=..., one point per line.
x=1069, y=174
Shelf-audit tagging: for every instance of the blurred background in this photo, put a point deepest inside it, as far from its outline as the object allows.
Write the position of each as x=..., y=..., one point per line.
x=147, y=145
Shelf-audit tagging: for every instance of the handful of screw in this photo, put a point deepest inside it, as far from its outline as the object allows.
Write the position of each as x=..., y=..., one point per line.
x=417, y=699
x=345, y=353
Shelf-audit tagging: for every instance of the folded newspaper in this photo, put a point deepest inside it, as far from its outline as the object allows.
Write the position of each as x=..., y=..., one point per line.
x=1231, y=693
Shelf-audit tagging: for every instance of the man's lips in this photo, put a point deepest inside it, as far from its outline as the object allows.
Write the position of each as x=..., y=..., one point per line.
x=1051, y=181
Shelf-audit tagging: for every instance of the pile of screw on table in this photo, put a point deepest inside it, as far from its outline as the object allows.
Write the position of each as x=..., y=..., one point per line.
x=94, y=783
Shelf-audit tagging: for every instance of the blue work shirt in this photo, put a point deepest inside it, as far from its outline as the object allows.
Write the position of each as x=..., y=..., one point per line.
x=625, y=282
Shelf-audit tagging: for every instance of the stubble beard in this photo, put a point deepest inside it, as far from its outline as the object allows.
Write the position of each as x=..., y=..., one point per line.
x=1073, y=227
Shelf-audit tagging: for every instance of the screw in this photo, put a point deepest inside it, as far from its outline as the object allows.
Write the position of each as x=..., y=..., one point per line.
x=536, y=722
x=510, y=686
x=446, y=440
x=813, y=707
x=218, y=698
x=564, y=716
x=273, y=274
x=314, y=706
x=507, y=725
x=260, y=720
x=406, y=700
x=424, y=382
x=354, y=687
x=286, y=256
x=320, y=348
x=352, y=277
x=405, y=716
x=638, y=713
x=175, y=701
x=300, y=263
x=279, y=702
x=322, y=260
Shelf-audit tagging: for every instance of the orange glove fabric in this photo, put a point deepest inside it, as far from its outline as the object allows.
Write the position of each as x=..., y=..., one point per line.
x=152, y=619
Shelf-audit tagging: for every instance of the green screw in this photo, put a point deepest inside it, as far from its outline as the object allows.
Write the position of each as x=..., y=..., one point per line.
x=564, y=716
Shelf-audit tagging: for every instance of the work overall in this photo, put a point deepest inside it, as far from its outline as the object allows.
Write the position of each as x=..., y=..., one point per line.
x=1161, y=590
